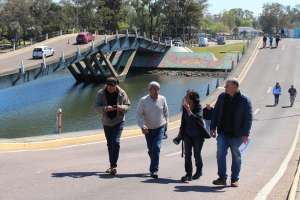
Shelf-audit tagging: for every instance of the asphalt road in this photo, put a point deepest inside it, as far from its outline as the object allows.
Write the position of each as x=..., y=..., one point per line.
x=67, y=43
x=77, y=173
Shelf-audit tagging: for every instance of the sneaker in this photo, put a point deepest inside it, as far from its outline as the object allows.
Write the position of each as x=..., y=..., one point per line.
x=154, y=175
x=111, y=171
x=234, y=183
x=186, y=178
x=220, y=181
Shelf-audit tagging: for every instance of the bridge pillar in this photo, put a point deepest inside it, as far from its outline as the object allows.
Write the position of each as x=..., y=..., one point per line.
x=109, y=65
x=128, y=64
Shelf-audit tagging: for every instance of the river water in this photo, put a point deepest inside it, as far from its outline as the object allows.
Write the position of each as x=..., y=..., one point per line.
x=30, y=109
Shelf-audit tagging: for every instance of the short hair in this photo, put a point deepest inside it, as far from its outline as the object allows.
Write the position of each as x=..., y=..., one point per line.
x=112, y=81
x=154, y=84
x=233, y=81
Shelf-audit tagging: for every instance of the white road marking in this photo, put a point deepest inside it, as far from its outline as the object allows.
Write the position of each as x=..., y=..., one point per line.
x=173, y=154
x=265, y=191
x=269, y=90
x=256, y=111
x=277, y=67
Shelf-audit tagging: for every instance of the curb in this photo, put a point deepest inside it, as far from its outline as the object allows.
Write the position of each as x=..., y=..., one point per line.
x=99, y=137
x=293, y=190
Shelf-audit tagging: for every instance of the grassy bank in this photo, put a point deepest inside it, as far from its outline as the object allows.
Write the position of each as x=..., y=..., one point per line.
x=219, y=51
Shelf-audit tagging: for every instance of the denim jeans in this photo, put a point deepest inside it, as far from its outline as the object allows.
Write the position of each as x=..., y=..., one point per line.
x=223, y=143
x=154, y=139
x=194, y=144
x=112, y=135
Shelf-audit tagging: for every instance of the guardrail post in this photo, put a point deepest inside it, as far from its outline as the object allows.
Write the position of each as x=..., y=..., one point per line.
x=145, y=36
x=92, y=45
x=47, y=36
x=207, y=91
x=78, y=52
x=59, y=121
x=62, y=59
x=238, y=57
x=152, y=38
x=22, y=68
x=14, y=46
x=60, y=32
x=136, y=33
x=44, y=62
x=232, y=64
x=127, y=33
x=217, y=85
x=158, y=40
x=117, y=34
x=105, y=39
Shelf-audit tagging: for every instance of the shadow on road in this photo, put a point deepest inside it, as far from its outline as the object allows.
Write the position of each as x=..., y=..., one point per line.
x=162, y=181
x=270, y=106
x=199, y=188
x=102, y=175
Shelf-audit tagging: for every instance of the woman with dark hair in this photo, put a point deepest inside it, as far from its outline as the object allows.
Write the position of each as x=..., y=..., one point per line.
x=192, y=133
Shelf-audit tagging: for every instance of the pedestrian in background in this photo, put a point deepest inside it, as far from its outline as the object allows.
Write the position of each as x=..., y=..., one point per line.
x=276, y=93
x=152, y=116
x=232, y=117
x=264, y=41
x=293, y=93
x=112, y=103
x=271, y=41
x=207, y=115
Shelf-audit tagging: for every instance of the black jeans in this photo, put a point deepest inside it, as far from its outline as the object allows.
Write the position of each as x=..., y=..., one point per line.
x=112, y=135
x=193, y=144
x=276, y=99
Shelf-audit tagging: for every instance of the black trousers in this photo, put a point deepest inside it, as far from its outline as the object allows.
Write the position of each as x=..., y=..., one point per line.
x=113, y=134
x=193, y=144
x=276, y=96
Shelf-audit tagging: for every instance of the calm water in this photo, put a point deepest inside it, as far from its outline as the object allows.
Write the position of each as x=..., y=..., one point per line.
x=29, y=109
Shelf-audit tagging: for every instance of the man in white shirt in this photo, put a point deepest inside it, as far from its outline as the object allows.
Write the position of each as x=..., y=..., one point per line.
x=152, y=115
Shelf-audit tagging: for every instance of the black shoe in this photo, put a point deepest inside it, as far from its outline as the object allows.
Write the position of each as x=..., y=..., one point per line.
x=186, y=178
x=112, y=171
x=220, y=181
x=197, y=175
x=154, y=175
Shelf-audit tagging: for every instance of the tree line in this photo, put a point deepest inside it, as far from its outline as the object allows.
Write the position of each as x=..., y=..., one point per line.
x=24, y=19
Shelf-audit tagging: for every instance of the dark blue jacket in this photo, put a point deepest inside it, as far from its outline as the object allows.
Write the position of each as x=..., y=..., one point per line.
x=242, y=118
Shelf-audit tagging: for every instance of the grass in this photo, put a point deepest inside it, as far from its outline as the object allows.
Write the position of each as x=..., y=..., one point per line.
x=219, y=51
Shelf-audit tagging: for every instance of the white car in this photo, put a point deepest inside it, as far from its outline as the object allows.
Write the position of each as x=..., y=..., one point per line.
x=41, y=51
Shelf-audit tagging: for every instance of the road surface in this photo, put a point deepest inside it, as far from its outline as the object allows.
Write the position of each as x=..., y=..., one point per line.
x=77, y=172
x=67, y=43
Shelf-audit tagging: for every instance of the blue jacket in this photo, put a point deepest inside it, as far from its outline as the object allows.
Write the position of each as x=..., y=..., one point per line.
x=277, y=90
x=242, y=118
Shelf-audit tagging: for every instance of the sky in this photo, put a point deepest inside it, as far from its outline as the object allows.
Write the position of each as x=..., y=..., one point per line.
x=217, y=6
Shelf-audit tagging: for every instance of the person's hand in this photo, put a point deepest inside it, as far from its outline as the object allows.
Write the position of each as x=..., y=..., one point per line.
x=145, y=130
x=213, y=133
x=119, y=108
x=109, y=109
x=245, y=139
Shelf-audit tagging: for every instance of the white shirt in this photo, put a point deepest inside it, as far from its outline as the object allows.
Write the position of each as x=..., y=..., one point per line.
x=152, y=113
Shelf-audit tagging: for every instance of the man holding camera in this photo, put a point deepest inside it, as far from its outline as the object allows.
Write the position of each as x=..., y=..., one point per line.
x=112, y=103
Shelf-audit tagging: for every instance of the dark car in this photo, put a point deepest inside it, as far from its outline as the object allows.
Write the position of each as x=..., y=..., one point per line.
x=84, y=38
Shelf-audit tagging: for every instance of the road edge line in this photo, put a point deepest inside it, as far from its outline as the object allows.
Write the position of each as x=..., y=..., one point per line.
x=268, y=187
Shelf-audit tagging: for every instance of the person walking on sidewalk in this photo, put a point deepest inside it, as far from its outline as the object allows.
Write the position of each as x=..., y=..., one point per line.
x=152, y=116
x=277, y=39
x=293, y=93
x=276, y=93
x=207, y=115
x=192, y=133
x=232, y=118
x=264, y=41
x=112, y=103
x=271, y=41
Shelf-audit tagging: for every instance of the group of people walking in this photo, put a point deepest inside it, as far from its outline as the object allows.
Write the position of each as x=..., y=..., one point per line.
x=271, y=40
x=231, y=119
x=277, y=92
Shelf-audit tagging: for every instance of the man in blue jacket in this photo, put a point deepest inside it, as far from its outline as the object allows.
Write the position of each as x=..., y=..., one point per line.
x=232, y=116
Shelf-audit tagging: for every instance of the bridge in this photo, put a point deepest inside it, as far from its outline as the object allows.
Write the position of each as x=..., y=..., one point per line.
x=107, y=55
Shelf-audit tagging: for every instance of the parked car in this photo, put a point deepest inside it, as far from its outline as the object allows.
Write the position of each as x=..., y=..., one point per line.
x=203, y=42
x=41, y=51
x=221, y=40
x=84, y=38
x=177, y=42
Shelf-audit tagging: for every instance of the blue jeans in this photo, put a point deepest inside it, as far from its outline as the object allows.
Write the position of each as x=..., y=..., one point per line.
x=154, y=138
x=112, y=135
x=223, y=143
